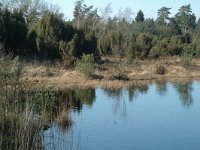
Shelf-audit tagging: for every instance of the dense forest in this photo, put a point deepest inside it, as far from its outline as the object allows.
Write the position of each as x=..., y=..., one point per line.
x=31, y=29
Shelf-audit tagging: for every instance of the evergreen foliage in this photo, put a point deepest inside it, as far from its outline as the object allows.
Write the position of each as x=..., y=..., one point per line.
x=38, y=32
x=85, y=65
x=140, y=16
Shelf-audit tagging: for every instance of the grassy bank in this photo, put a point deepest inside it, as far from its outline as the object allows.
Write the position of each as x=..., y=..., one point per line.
x=106, y=73
x=25, y=114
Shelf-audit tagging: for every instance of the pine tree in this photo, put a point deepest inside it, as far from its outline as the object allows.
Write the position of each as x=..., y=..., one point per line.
x=140, y=16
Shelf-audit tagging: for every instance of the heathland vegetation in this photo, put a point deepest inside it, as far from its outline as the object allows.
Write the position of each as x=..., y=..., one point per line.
x=34, y=30
x=94, y=42
x=109, y=50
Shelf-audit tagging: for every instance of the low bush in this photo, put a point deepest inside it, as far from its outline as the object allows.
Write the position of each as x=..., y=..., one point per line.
x=186, y=59
x=161, y=70
x=85, y=65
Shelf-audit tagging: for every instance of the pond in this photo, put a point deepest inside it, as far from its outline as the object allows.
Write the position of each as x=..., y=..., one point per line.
x=141, y=117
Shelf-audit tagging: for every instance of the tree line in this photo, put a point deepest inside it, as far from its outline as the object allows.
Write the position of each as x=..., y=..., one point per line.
x=33, y=29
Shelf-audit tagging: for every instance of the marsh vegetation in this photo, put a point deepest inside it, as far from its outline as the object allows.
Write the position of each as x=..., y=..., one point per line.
x=54, y=70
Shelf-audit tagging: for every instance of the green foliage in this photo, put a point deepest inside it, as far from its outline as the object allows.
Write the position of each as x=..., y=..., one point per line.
x=32, y=9
x=168, y=47
x=80, y=43
x=31, y=46
x=196, y=40
x=67, y=51
x=163, y=16
x=131, y=50
x=85, y=65
x=13, y=32
x=119, y=43
x=43, y=100
x=173, y=28
x=144, y=44
x=186, y=58
x=147, y=26
x=84, y=16
x=140, y=16
x=34, y=31
x=186, y=19
x=10, y=72
x=89, y=45
x=104, y=44
x=49, y=31
x=175, y=46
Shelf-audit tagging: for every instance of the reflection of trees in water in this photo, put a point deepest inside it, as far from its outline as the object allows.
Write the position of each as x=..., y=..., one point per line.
x=120, y=103
x=57, y=104
x=75, y=98
x=185, y=92
x=114, y=93
x=23, y=127
x=135, y=90
x=161, y=88
x=118, y=95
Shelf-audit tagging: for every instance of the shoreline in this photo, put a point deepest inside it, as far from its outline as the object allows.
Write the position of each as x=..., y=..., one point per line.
x=38, y=76
x=35, y=84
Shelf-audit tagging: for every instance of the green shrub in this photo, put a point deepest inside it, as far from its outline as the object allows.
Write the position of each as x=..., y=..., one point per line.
x=85, y=65
x=186, y=58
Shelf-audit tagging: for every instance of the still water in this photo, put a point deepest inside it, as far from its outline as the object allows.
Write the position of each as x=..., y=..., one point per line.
x=140, y=117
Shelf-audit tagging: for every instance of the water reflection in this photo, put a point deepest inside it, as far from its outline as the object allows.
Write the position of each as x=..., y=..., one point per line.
x=76, y=98
x=119, y=101
x=51, y=107
x=114, y=93
x=161, y=88
x=132, y=90
x=185, y=92
x=136, y=89
x=149, y=112
x=117, y=95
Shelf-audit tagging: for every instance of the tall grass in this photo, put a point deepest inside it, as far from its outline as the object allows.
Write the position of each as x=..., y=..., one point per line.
x=23, y=115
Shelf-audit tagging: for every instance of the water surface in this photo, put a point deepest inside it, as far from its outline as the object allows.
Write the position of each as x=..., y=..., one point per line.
x=141, y=117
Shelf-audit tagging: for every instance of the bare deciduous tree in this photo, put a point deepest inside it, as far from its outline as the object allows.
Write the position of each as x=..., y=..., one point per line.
x=32, y=9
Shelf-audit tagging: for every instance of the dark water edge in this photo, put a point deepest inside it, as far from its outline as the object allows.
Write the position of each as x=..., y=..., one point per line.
x=149, y=116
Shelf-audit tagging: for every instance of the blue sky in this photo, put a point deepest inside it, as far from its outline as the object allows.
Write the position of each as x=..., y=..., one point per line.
x=149, y=7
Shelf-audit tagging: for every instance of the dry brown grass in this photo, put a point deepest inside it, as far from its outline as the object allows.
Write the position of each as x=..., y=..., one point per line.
x=61, y=78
